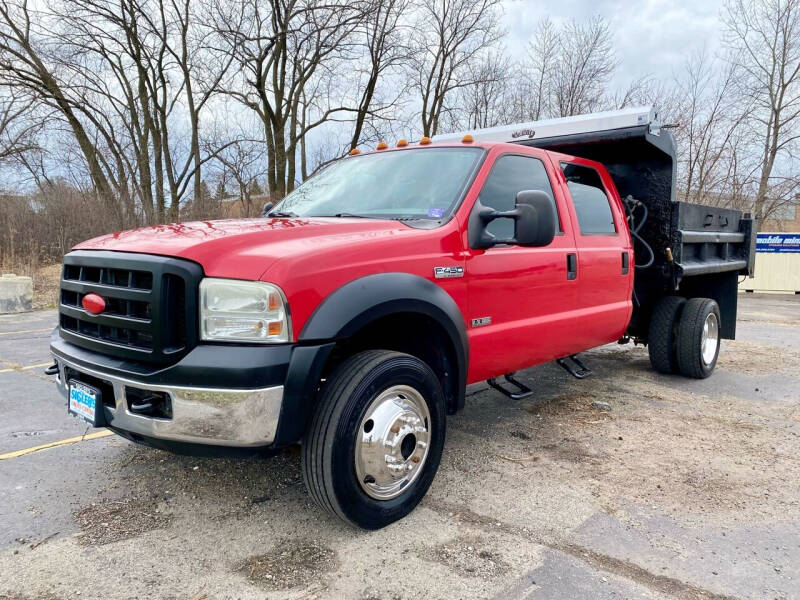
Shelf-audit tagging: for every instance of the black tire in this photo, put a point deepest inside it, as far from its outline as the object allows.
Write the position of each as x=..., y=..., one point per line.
x=661, y=338
x=329, y=445
x=690, y=338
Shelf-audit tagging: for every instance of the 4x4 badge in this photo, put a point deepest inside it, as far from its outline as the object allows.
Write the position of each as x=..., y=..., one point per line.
x=448, y=272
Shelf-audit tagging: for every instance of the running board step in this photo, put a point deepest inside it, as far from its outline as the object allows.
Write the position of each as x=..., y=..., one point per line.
x=524, y=390
x=582, y=370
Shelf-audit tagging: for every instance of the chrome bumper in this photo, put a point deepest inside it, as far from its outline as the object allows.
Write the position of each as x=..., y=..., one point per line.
x=208, y=416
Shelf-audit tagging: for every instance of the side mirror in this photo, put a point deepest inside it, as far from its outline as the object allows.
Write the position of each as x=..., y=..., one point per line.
x=534, y=221
x=267, y=207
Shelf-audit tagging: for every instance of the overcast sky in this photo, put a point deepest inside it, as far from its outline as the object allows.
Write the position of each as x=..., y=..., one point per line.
x=652, y=36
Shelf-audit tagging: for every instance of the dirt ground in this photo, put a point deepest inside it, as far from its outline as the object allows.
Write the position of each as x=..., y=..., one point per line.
x=677, y=489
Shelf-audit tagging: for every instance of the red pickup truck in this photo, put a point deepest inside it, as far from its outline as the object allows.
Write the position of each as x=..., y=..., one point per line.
x=352, y=317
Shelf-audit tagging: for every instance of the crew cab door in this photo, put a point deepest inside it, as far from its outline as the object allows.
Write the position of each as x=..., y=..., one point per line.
x=519, y=298
x=605, y=253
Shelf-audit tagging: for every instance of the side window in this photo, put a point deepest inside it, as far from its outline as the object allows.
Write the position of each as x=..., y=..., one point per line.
x=510, y=174
x=589, y=197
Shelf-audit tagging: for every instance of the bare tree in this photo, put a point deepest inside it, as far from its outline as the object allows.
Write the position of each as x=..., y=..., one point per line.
x=583, y=67
x=127, y=77
x=26, y=64
x=538, y=72
x=155, y=51
x=381, y=32
x=487, y=102
x=244, y=162
x=19, y=126
x=711, y=123
x=566, y=70
x=182, y=33
x=449, y=37
x=763, y=39
x=107, y=52
x=282, y=47
x=641, y=91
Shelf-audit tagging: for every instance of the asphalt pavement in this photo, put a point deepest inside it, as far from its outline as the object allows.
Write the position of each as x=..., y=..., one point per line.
x=675, y=489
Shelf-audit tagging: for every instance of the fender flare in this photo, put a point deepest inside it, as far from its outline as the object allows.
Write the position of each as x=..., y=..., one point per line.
x=353, y=306
x=363, y=300
x=368, y=298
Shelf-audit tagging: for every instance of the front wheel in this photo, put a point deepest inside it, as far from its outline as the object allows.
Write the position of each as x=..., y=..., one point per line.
x=376, y=438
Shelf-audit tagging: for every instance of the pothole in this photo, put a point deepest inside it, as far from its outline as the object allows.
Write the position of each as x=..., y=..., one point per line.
x=292, y=564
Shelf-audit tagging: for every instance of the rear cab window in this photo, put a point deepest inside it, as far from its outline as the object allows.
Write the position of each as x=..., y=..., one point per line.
x=590, y=199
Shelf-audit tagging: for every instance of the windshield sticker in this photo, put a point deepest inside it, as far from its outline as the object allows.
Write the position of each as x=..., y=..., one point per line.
x=435, y=213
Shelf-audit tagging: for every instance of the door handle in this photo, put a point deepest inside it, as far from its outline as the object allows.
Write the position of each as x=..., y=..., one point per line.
x=572, y=266
x=626, y=263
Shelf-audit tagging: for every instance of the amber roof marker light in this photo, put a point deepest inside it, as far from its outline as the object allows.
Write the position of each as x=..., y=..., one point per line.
x=467, y=139
x=381, y=146
x=354, y=151
x=402, y=143
x=425, y=141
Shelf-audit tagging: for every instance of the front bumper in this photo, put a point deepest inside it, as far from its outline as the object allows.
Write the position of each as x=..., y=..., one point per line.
x=216, y=416
x=219, y=396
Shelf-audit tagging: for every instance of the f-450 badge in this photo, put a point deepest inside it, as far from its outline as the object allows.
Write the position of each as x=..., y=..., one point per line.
x=448, y=272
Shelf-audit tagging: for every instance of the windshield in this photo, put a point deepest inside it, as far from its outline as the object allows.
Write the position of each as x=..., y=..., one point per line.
x=421, y=183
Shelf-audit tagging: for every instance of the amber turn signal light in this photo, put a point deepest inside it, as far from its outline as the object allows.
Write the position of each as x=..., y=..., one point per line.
x=274, y=301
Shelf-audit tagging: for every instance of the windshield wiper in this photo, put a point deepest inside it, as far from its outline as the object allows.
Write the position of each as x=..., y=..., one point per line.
x=341, y=215
x=278, y=213
x=382, y=217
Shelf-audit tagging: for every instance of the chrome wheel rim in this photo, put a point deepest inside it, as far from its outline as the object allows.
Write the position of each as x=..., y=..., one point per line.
x=392, y=442
x=710, y=339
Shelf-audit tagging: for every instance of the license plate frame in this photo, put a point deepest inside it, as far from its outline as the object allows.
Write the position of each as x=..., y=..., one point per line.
x=84, y=402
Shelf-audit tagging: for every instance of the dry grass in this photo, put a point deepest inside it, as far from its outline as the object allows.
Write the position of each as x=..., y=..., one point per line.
x=45, y=286
x=45, y=281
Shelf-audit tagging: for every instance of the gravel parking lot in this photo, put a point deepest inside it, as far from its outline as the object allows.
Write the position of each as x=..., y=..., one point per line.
x=677, y=489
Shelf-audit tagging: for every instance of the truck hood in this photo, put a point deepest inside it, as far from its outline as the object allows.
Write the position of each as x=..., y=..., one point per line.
x=245, y=248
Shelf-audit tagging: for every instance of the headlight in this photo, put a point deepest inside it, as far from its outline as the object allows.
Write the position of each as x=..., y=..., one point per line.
x=242, y=311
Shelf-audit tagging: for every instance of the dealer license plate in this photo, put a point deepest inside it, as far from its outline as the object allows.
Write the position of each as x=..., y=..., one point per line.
x=83, y=401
